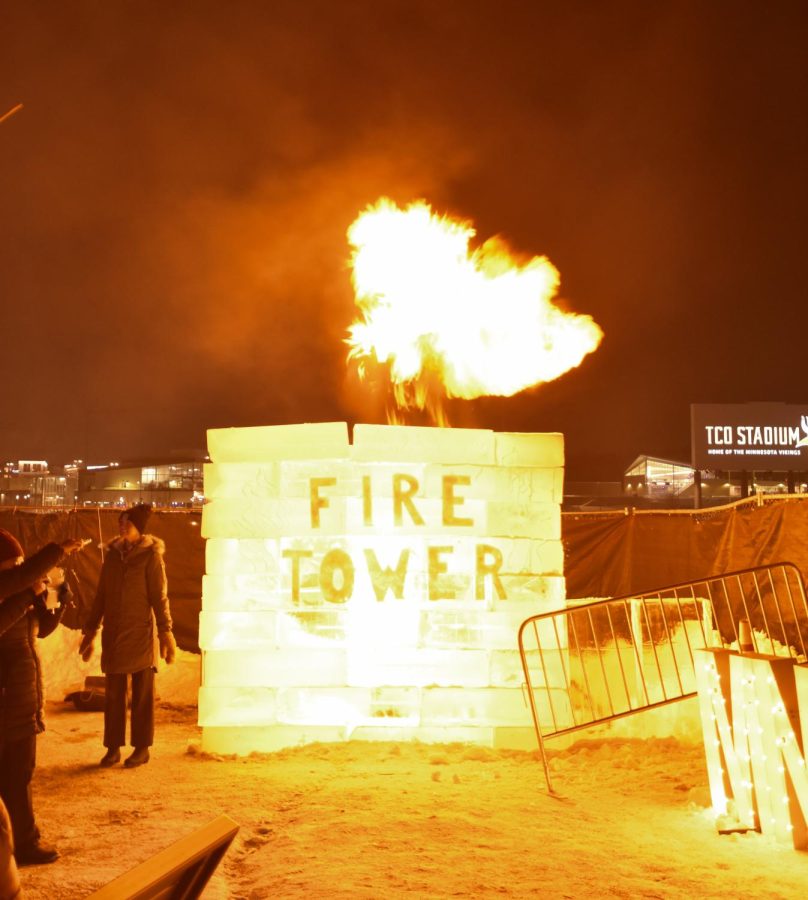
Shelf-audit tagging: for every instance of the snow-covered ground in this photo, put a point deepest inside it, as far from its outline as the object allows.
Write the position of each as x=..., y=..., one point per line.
x=384, y=819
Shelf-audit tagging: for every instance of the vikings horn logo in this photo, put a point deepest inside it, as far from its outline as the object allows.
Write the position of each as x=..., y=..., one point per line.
x=803, y=441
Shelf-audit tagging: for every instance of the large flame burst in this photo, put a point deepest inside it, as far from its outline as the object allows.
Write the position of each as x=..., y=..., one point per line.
x=449, y=322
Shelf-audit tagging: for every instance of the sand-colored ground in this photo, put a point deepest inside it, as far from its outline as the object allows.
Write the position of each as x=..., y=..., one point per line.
x=377, y=820
x=389, y=820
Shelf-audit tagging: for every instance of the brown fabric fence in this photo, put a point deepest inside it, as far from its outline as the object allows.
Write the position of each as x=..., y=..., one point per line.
x=612, y=554
x=606, y=555
x=185, y=556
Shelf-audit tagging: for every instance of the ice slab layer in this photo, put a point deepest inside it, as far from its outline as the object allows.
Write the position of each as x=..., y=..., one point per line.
x=263, y=443
x=405, y=443
x=545, y=451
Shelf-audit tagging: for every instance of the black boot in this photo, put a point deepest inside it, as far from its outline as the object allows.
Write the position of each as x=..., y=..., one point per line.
x=36, y=854
x=138, y=758
x=111, y=757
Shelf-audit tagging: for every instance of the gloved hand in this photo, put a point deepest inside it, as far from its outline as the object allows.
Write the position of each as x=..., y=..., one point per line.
x=87, y=646
x=168, y=646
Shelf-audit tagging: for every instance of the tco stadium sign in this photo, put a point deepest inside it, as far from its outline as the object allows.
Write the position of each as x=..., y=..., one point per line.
x=749, y=436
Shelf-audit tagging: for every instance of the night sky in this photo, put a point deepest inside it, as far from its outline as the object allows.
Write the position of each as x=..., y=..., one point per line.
x=176, y=190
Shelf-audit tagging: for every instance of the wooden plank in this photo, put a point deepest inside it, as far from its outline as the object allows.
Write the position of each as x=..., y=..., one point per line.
x=180, y=872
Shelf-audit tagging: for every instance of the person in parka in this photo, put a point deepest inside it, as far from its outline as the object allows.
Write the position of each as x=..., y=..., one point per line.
x=132, y=596
x=24, y=616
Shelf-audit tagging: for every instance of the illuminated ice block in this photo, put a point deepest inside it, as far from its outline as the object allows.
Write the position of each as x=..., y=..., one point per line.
x=231, y=556
x=372, y=624
x=230, y=630
x=520, y=556
x=418, y=666
x=395, y=704
x=546, y=557
x=237, y=706
x=242, y=741
x=407, y=443
x=553, y=710
x=376, y=591
x=543, y=592
x=460, y=706
x=323, y=440
x=323, y=705
x=425, y=517
x=275, y=668
x=544, y=451
x=350, y=479
x=390, y=569
x=237, y=593
x=312, y=628
x=549, y=669
x=471, y=628
x=524, y=520
x=253, y=518
x=242, y=481
x=516, y=484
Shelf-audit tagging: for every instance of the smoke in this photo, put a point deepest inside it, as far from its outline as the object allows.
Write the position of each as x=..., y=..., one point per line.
x=177, y=189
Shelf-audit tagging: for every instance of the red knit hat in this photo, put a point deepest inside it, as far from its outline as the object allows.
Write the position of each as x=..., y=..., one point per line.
x=10, y=547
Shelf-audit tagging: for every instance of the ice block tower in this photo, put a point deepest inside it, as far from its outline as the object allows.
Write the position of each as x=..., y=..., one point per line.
x=373, y=590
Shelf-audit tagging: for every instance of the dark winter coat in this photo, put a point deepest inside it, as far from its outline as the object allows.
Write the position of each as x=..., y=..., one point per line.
x=20, y=621
x=21, y=693
x=131, y=597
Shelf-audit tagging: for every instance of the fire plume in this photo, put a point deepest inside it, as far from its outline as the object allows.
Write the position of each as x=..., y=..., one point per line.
x=449, y=321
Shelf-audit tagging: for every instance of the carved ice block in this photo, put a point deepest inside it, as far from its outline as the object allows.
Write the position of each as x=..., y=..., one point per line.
x=234, y=518
x=237, y=630
x=524, y=520
x=242, y=481
x=425, y=516
x=464, y=628
x=406, y=443
x=544, y=451
x=312, y=628
x=231, y=556
x=378, y=589
x=464, y=706
x=548, y=669
x=322, y=440
x=275, y=668
x=234, y=706
x=323, y=706
x=241, y=592
x=420, y=667
x=517, y=484
x=542, y=592
x=242, y=741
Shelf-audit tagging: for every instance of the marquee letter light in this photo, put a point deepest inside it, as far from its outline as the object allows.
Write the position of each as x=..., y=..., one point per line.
x=374, y=590
x=754, y=713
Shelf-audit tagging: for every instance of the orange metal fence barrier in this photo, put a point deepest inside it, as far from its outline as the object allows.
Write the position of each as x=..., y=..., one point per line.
x=598, y=661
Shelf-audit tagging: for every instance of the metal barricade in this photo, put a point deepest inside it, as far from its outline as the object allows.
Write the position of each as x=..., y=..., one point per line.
x=603, y=660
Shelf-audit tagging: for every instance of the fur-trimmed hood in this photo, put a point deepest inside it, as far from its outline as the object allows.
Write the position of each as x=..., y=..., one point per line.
x=147, y=542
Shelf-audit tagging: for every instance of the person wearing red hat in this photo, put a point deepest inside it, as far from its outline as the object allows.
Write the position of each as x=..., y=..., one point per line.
x=22, y=608
x=132, y=596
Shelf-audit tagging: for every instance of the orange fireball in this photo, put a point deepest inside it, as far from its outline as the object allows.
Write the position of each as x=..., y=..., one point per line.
x=475, y=321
